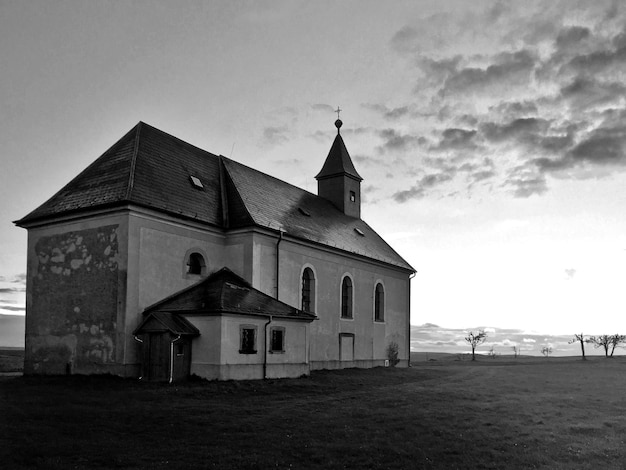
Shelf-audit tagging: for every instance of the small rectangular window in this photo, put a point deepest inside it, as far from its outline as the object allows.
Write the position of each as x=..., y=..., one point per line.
x=352, y=196
x=247, y=340
x=277, y=340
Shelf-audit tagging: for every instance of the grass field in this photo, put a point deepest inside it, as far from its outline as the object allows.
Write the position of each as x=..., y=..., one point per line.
x=443, y=414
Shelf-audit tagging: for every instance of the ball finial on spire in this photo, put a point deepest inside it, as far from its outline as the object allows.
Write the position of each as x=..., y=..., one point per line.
x=338, y=122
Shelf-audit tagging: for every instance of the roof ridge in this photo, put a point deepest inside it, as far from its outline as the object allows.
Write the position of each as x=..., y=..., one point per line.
x=133, y=162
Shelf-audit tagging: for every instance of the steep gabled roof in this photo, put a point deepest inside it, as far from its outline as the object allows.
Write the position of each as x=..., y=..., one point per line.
x=338, y=162
x=150, y=168
x=226, y=292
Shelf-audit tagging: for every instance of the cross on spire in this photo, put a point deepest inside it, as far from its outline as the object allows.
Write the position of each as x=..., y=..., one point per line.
x=338, y=110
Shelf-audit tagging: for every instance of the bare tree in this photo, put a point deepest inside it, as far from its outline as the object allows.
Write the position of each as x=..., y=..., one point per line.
x=475, y=340
x=616, y=340
x=608, y=342
x=546, y=351
x=581, y=339
x=603, y=341
x=516, y=351
x=492, y=352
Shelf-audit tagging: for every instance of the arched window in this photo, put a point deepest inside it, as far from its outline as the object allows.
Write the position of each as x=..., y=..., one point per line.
x=346, y=297
x=379, y=302
x=196, y=264
x=308, y=290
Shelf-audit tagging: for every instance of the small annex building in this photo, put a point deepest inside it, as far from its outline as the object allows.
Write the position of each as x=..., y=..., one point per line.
x=161, y=260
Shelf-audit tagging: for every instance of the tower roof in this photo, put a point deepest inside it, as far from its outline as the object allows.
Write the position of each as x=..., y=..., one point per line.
x=338, y=161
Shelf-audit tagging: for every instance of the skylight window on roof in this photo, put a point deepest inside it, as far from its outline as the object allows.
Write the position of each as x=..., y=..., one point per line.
x=304, y=212
x=196, y=182
x=359, y=231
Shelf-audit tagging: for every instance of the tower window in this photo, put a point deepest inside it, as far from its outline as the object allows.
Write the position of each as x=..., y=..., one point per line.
x=352, y=196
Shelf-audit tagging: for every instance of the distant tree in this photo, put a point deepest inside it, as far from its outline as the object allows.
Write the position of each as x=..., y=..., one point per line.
x=492, y=352
x=581, y=339
x=515, y=351
x=546, y=351
x=607, y=342
x=616, y=340
x=475, y=340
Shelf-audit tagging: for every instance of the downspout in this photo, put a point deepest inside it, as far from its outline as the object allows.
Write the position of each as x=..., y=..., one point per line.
x=265, y=350
x=140, y=341
x=408, y=320
x=172, y=358
x=280, y=239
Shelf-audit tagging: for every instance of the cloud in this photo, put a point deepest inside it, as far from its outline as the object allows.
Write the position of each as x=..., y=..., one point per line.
x=426, y=183
x=507, y=70
x=602, y=146
x=570, y=273
x=456, y=139
x=323, y=107
x=386, y=112
x=393, y=141
x=275, y=135
x=526, y=182
x=12, y=309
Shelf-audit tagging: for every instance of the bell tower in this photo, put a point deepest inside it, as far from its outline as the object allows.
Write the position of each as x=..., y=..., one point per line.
x=338, y=181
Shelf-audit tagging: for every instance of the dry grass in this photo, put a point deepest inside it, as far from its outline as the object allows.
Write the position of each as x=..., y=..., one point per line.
x=553, y=414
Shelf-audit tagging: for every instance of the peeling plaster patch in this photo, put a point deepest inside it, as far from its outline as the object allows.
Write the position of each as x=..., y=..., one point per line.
x=74, y=296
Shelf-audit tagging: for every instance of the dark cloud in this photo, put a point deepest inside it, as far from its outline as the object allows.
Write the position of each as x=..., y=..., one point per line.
x=518, y=129
x=456, y=139
x=366, y=160
x=11, y=290
x=275, y=135
x=584, y=93
x=394, y=141
x=12, y=309
x=507, y=70
x=602, y=146
x=571, y=37
x=388, y=113
x=423, y=185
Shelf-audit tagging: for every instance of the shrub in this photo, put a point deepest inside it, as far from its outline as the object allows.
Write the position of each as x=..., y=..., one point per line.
x=392, y=353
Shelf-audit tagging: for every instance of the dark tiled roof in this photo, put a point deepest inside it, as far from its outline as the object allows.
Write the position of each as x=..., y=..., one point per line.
x=277, y=205
x=338, y=162
x=225, y=292
x=153, y=169
x=166, y=321
x=146, y=167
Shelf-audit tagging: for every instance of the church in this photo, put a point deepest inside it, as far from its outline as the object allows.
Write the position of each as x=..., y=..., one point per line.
x=161, y=261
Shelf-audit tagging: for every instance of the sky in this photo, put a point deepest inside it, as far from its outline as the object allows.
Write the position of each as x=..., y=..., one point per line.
x=491, y=135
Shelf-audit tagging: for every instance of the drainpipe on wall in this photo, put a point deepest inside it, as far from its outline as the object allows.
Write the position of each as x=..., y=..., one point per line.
x=408, y=321
x=280, y=239
x=172, y=358
x=140, y=341
x=265, y=347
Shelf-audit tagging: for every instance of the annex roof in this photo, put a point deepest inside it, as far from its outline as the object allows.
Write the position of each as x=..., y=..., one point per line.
x=226, y=292
x=167, y=321
x=150, y=168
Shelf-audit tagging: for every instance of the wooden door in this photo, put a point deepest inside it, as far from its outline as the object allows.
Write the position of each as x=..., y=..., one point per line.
x=158, y=356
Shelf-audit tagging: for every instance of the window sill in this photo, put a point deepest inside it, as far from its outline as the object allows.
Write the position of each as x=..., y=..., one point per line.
x=277, y=352
x=247, y=352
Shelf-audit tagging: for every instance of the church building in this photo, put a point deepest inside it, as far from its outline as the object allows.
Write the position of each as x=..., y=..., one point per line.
x=161, y=260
